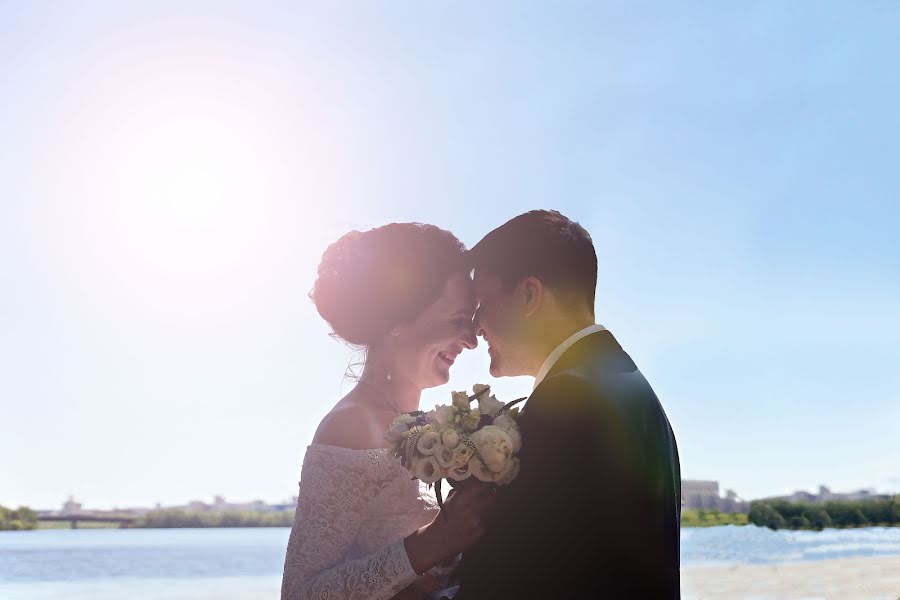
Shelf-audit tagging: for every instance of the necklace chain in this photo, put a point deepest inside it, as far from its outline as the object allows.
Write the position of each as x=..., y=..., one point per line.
x=382, y=394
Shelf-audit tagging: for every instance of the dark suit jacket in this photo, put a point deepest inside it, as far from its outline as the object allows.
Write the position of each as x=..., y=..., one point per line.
x=595, y=511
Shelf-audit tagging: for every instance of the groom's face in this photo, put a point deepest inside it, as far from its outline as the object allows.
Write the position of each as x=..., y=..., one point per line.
x=499, y=322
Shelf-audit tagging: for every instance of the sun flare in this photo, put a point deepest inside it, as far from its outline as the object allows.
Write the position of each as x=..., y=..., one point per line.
x=183, y=171
x=178, y=178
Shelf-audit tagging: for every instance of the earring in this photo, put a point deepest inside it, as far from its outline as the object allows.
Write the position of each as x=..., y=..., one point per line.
x=388, y=376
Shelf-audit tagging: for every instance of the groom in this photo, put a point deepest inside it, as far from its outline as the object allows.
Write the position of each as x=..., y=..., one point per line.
x=596, y=508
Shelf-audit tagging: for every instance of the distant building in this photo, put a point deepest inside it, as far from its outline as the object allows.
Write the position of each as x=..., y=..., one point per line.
x=219, y=504
x=70, y=506
x=697, y=494
x=826, y=495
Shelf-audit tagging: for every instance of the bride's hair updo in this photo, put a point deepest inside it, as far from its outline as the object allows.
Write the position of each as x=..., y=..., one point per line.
x=370, y=282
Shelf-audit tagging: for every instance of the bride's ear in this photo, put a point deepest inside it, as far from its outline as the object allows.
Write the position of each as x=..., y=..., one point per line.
x=532, y=290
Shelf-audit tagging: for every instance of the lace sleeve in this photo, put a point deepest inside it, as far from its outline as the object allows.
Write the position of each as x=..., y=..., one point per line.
x=334, y=496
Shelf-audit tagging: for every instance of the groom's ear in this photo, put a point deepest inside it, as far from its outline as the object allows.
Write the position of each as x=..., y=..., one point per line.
x=532, y=290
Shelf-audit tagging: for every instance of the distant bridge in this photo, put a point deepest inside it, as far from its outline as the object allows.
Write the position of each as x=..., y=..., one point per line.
x=86, y=518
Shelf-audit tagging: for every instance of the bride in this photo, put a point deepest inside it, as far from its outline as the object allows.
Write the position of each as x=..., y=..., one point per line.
x=363, y=529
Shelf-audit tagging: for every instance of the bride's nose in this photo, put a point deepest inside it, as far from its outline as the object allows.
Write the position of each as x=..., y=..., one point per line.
x=468, y=338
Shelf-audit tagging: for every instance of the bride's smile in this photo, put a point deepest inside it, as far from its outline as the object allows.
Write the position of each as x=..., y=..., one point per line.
x=429, y=345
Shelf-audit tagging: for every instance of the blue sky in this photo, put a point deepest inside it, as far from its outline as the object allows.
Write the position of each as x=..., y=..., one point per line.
x=169, y=177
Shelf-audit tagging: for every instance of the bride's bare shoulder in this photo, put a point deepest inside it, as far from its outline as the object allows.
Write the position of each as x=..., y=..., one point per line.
x=348, y=425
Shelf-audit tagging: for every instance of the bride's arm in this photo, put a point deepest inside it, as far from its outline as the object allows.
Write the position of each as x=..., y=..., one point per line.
x=332, y=501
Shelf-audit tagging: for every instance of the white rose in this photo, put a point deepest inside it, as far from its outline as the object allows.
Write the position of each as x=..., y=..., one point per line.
x=461, y=473
x=480, y=471
x=494, y=446
x=509, y=473
x=461, y=455
x=469, y=421
x=509, y=425
x=516, y=438
x=444, y=456
x=427, y=442
x=442, y=416
x=489, y=405
x=450, y=438
x=460, y=400
x=504, y=422
x=426, y=469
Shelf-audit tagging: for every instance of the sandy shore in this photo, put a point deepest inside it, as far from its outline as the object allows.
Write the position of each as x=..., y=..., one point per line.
x=866, y=578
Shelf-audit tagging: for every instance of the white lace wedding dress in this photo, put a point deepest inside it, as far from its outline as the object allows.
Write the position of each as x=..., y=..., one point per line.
x=354, y=509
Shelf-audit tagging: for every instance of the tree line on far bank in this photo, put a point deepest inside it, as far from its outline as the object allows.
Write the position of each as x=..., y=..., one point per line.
x=710, y=517
x=26, y=519
x=170, y=518
x=20, y=519
x=883, y=511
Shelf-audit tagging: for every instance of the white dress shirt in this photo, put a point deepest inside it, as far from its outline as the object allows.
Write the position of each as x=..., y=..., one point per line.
x=560, y=350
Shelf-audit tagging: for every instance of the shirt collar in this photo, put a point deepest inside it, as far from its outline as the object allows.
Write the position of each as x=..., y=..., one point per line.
x=560, y=350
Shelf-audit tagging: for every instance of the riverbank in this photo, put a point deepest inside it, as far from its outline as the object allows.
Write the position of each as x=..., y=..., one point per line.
x=859, y=578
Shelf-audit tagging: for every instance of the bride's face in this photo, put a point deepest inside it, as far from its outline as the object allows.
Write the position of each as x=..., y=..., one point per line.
x=427, y=347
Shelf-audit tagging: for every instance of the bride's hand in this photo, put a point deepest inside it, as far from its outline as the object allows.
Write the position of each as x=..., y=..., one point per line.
x=456, y=528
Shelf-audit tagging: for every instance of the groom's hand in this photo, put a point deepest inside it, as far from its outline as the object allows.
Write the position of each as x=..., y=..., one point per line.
x=456, y=528
x=463, y=515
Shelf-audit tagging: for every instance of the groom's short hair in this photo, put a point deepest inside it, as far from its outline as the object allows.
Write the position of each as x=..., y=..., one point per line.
x=543, y=244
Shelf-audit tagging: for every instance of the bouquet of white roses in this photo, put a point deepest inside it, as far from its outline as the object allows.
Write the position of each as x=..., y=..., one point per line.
x=457, y=441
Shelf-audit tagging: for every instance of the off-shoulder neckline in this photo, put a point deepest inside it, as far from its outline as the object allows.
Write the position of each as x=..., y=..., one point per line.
x=341, y=449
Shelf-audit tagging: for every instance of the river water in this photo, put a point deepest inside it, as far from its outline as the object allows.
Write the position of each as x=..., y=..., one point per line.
x=244, y=564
